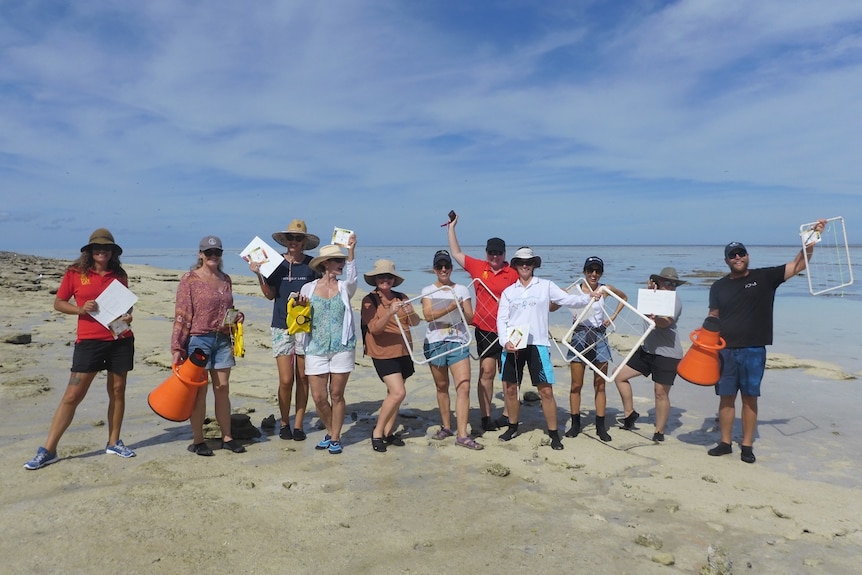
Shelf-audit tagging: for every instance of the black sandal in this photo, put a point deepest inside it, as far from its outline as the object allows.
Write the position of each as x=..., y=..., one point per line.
x=201, y=449
x=378, y=444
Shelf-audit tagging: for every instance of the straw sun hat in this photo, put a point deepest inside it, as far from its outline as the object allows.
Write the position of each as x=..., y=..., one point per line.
x=383, y=267
x=328, y=252
x=297, y=227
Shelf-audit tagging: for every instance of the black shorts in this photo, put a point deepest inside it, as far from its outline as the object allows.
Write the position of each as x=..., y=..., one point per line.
x=487, y=344
x=663, y=369
x=116, y=356
x=402, y=365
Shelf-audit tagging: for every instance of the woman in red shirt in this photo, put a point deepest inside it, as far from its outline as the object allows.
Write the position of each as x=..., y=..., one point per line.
x=97, y=348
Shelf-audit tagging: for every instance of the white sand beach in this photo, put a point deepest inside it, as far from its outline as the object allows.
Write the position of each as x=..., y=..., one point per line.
x=628, y=506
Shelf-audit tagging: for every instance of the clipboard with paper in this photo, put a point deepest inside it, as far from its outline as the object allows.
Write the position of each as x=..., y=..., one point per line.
x=114, y=302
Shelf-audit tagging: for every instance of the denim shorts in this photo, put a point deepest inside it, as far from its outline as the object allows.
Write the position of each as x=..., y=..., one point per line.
x=216, y=346
x=600, y=352
x=445, y=353
x=741, y=370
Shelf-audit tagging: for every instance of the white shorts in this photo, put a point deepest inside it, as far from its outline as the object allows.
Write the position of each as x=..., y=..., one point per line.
x=341, y=362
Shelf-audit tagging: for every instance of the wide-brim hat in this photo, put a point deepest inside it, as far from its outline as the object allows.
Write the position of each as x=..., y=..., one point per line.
x=102, y=237
x=526, y=254
x=383, y=267
x=327, y=252
x=668, y=274
x=297, y=227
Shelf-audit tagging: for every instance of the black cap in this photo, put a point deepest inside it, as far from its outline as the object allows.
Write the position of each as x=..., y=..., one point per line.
x=594, y=261
x=733, y=247
x=442, y=256
x=495, y=245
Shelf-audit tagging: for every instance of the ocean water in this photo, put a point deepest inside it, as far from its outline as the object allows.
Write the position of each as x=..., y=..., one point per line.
x=826, y=327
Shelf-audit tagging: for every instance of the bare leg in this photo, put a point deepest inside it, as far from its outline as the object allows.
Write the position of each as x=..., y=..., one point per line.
x=319, y=387
x=76, y=390
x=485, y=389
x=221, y=392
x=577, y=372
x=301, y=392
x=549, y=405
x=624, y=386
x=285, y=386
x=395, y=394
x=726, y=415
x=749, y=419
x=662, y=406
x=116, y=405
x=199, y=414
x=337, y=384
x=601, y=397
x=461, y=376
x=444, y=405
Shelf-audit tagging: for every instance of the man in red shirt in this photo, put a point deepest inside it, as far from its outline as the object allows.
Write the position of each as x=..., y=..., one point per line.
x=493, y=275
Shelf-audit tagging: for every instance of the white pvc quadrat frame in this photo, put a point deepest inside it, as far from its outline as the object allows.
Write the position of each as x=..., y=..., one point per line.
x=405, y=333
x=841, y=250
x=650, y=325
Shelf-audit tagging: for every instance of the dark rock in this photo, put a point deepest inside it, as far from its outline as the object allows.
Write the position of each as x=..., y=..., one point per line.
x=19, y=339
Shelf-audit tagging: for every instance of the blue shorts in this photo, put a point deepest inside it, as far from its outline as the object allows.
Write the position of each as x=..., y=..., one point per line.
x=537, y=358
x=445, y=353
x=598, y=353
x=216, y=346
x=741, y=370
x=92, y=355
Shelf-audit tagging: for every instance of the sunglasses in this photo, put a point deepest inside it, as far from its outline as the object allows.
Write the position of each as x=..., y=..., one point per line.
x=594, y=271
x=737, y=254
x=338, y=260
x=385, y=277
x=495, y=253
x=213, y=252
x=102, y=249
x=294, y=237
x=667, y=284
x=442, y=266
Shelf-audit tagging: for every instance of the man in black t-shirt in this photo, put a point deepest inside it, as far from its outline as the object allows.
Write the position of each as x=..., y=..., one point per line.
x=743, y=301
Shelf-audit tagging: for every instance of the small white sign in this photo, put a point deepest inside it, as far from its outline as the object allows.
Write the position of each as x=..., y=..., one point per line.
x=657, y=302
x=340, y=236
x=259, y=251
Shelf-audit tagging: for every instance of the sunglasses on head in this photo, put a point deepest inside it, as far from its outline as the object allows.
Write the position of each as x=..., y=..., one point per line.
x=213, y=252
x=737, y=254
x=294, y=237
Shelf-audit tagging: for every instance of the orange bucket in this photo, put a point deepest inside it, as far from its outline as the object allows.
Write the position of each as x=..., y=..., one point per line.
x=701, y=364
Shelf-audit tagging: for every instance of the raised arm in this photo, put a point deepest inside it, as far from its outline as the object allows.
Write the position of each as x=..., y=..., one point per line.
x=796, y=266
x=454, y=246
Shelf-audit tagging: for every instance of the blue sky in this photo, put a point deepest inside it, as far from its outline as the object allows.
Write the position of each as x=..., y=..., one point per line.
x=570, y=122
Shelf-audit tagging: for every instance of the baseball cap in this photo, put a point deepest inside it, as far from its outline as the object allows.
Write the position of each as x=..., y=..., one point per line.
x=594, y=261
x=210, y=242
x=733, y=247
x=495, y=245
x=442, y=256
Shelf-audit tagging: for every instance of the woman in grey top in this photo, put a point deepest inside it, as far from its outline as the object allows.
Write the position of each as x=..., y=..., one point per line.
x=659, y=355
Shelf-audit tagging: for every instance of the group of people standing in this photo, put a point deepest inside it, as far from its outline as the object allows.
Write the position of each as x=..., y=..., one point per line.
x=510, y=318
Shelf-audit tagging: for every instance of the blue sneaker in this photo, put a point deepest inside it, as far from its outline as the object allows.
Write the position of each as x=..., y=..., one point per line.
x=43, y=457
x=119, y=449
x=324, y=443
x=335, y=447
